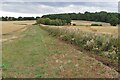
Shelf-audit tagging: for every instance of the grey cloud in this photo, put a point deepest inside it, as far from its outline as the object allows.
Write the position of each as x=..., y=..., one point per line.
x=55, y=7
x=59, y=0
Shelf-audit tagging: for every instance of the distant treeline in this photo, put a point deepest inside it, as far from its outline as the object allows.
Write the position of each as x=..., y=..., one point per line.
x=112, y=18
x=17, y=19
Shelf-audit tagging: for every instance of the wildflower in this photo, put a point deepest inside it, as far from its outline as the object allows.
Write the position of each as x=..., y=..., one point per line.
x=73, y=39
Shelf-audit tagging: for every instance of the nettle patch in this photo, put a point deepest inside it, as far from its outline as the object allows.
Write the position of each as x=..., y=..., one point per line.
x=102, y=44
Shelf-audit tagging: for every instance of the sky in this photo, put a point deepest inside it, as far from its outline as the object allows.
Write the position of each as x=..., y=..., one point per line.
x=28, y=8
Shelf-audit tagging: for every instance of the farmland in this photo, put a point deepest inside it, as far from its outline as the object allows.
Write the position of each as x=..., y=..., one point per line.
x=106, y=28
x=11, y=27
x=35, y=53
x=86, y=26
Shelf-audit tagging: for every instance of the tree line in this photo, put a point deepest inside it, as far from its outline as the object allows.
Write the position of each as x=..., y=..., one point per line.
x=112, y=18
x=56, y=22
x=17, y=19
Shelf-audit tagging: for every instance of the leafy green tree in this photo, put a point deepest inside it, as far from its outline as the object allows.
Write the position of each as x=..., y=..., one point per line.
x=97, y=16
x=114, y=21
x=47, y=21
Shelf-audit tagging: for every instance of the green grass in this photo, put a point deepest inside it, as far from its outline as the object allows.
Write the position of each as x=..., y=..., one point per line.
x=38, y=55
x=23, y=55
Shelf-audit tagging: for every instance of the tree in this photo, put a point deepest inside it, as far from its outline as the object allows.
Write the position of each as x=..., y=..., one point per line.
x=37, y=17
x=47, y=21
x=4, y=18
x=97, y=16
x=114, y=21
x=0, y=18
x=20, y=18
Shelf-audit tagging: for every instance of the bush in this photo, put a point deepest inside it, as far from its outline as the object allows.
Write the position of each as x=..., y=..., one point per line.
x=96, y=24
x=47, y=21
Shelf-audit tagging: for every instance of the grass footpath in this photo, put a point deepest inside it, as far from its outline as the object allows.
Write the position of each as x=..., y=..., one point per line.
x=36, y=54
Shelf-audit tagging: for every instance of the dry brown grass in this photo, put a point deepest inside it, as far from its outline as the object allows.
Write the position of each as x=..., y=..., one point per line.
x=106, y=28
x=85, y=26
x=81, y=22
x=10, y=29
x=10, y=26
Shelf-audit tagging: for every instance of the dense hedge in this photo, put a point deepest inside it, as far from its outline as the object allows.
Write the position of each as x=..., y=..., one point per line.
x=47, y=21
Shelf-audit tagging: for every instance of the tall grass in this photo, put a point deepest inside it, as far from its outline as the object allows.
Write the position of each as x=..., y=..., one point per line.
x=102, y=44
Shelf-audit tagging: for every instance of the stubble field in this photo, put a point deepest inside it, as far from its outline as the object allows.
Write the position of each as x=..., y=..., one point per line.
x=105, y=28
x=11, y=26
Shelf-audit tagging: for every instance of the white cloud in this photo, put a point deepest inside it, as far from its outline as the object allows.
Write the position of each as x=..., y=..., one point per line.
x=13, y=14
x=76, y=9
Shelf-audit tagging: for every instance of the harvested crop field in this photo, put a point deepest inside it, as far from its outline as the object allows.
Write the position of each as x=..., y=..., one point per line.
x=10, y=26
x=81, y=22
x=86, y=26
x=8, y=29
x=99, y=29
x=105, y=28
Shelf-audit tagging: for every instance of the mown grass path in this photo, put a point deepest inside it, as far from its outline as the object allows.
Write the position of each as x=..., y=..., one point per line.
x=36, y=54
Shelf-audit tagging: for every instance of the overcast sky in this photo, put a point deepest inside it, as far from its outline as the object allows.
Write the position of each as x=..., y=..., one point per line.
x=38, y=8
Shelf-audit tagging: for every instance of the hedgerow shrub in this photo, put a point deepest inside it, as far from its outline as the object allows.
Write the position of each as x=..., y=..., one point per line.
x=102, y=44
x=47, y=21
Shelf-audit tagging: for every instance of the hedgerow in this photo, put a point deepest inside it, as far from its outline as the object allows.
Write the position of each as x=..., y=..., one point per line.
x=101, y=44
x=47, y=21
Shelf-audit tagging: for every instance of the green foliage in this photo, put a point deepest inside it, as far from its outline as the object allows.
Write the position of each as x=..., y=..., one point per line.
x=4, y=66
x=39, y=71
x=0, y=19
x=114, y=21
x=112, y=18
x=47, y=21
x=29, y=55
x=102, y=16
